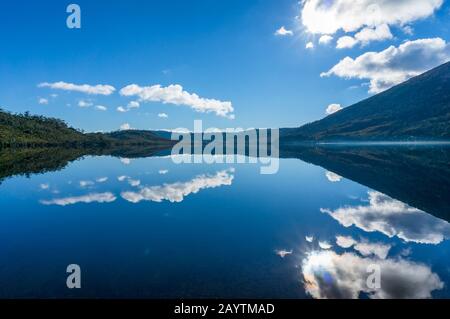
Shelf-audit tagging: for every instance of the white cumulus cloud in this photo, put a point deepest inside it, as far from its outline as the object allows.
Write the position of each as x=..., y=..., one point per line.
x=395, y=64
x=330, y=16
x=176, y=192
x=328, y=275
x=393, y=218
x=175, y=94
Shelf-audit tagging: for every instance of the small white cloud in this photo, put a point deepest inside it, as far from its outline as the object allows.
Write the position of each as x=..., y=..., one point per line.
x=125, y=161
x=408, y=30
x=43, y=101
x=83, y=103
x=365, y=36
x=325, y=39
x=309, y=45
x=83, y=88
x=44, y=186
x=163, y=115
x=376, y=249
x=283, y=252
x=101, y=108
x=325, y=245
x=333, y=177
x=133, y=105
x=345, y=241
x=309, y=239
x=86, y=183
x=125, y=127
x=346, y=42
x=101, y=179
x=134, y=182
x=333, y=108
x=379, y=33
x=122, y=178
x=163, y=171
x=121, y=109
x=283, y=32
x=365, y=248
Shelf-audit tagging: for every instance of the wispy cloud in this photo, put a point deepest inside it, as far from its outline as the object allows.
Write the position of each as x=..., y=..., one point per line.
x=101, y=108
x=89, y=198
x=98, y=89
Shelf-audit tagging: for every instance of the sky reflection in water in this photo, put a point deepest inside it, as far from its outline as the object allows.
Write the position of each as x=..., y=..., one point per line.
x=150, y=228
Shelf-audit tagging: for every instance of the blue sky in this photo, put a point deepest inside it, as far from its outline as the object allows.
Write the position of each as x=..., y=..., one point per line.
x=226, y=51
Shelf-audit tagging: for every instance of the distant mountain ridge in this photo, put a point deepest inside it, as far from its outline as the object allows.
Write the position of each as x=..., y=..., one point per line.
x=418, y=109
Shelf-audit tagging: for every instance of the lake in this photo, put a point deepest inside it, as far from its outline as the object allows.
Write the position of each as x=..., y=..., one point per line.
x=145, y=227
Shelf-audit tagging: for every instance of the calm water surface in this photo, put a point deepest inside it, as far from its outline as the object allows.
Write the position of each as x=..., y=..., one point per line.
x=149, y=228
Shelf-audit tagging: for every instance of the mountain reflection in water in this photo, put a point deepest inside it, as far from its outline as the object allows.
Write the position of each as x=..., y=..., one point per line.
x=378, y=205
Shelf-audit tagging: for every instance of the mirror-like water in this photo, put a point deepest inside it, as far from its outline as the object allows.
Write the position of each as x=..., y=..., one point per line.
x=146, y=227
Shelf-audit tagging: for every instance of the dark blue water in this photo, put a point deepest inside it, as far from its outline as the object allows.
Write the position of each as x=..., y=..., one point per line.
x=150, y=228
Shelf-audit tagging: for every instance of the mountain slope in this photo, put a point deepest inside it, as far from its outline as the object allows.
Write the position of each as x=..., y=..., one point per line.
x=418, y=109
